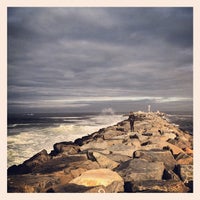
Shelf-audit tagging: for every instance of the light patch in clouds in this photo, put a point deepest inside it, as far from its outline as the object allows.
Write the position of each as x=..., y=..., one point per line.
x=75, y=57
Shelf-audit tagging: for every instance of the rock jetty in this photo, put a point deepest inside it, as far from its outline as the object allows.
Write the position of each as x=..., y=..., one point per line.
x=156, y=157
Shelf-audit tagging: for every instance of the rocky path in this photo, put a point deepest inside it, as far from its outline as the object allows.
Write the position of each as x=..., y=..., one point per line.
x=157, y=157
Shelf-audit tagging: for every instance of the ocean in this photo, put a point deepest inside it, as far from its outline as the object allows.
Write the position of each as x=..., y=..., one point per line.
x=30, y=133
x=184, y=120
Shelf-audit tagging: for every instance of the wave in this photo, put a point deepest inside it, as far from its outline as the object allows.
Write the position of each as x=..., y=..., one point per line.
x=28, y=141
x=17, y=125
x=108, y=111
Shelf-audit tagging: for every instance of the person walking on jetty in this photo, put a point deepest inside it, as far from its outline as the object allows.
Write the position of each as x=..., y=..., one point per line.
x=131, y=120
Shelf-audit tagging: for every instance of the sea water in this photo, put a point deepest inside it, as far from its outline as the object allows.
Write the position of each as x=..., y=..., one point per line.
x=184, y=120
x=30, y=133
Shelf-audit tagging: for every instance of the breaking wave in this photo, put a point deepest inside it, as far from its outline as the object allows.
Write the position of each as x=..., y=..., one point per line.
x=24, y=142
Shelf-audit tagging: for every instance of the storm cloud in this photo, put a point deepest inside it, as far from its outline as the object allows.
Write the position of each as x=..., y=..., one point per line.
x=85, y=59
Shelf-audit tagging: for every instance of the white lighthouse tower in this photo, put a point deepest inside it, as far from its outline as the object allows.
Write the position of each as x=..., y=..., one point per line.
x=149, y=108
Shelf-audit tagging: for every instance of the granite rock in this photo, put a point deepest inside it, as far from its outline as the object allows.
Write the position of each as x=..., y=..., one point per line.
x=99, y=177
x=157, y=156
x=104, y=161
x=140, y=170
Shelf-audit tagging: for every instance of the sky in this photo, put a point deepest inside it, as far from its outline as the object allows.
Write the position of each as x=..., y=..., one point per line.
x=89, y=59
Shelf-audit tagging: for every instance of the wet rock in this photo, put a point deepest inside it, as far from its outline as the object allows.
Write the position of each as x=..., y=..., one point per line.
x=37, y=159
x=29, y=165
x=79, y=142
x=19, y=169
x=140, y=170
x=89, y=138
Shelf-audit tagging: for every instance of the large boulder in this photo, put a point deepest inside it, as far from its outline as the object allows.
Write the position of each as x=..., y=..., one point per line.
x=188, y=151
x=67, y=147
x=162, y=145
x=19, y=169
x=157, y=155
x=133, y=142
x=140, y=137
x=77, y=168
x=140, y=170
x=104, y=161
x=98, y=177
x=63, y=163
x=111, y=134
x=31, y=183
x=38, y=159
x=114, y=187
x=94, y=145
x=164, y=137
x=118, y=157
x=184, y=159
x=181, y=141
x=175, y=150
x=29, y=165
x=112, y=142
x=123, y=149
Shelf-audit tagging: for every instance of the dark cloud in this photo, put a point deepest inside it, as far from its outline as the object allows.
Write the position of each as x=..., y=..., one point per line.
x=70, y=57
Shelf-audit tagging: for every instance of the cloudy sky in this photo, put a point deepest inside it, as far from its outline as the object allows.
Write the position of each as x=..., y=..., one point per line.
x=87, y=59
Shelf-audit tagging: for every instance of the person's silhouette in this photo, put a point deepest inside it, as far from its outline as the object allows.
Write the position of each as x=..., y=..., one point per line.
x=131, y=120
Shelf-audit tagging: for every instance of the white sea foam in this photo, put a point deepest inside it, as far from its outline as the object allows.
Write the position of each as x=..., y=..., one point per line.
x=30, y=141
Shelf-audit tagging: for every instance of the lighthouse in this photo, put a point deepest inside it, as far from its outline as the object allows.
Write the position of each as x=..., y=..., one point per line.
x=149, y=108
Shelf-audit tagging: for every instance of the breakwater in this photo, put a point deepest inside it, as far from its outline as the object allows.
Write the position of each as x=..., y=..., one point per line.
x=156, y=157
